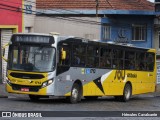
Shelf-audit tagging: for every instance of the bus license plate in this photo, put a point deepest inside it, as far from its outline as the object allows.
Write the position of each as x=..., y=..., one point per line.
x=25, y=89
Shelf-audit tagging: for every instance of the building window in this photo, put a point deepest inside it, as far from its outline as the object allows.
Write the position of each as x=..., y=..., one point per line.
x=28, y=29
x=106, y=31
x=139, y=32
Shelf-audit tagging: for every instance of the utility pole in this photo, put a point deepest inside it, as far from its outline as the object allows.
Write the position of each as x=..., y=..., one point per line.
x=97, y=5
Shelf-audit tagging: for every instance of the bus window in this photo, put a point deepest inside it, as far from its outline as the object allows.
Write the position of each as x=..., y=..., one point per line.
x=64, y=49
x=117, y=57
x=150, y=61
x=140, y=61
x=79, y=55
x=130, y=60
x=93, y=51
x=105, y=58
x=15, y=55
x=92, y=56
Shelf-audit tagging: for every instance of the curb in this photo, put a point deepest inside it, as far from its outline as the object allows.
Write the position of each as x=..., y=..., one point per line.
x=3, y=96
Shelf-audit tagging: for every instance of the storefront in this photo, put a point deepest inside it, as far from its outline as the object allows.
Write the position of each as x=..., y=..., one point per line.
x=10, y=22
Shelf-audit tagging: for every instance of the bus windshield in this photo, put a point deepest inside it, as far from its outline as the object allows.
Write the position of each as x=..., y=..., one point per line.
x=31, y=58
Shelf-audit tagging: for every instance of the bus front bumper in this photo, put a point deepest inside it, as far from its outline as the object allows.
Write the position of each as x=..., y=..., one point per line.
x=21, y=89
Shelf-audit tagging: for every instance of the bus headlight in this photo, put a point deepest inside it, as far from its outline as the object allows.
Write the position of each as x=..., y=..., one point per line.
x=47, y=83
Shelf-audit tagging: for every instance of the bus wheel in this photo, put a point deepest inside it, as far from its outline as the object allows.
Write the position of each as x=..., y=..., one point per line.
x=127, y=93
x=75, y=94
x=34, y=97
x=91, y=97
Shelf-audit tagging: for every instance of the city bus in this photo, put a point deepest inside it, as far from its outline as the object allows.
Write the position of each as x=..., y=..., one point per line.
x=44, y=65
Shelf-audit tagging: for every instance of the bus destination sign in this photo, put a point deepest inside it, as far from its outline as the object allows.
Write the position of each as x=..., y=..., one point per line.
x=33, y=39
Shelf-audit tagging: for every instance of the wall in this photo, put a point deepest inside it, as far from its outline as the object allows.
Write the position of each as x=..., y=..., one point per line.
x=156, y=34
x=29, y=15
x=10, y=13
x=156, y=39
x=119, y=22
x=71, y=28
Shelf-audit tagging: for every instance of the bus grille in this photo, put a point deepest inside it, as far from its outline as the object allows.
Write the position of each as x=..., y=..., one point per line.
x=26, y=76
x=31, y=88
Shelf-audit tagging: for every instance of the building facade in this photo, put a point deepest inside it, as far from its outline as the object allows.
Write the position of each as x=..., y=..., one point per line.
x=29, y=15
x=133, y=29
x=10, y=22
x=69, y=26
x=157, y=28
x=107, y=20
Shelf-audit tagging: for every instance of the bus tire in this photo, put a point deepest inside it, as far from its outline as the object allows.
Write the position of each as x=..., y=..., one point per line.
x=75, y=94
x=34, y=97
x=91, y=97
x=127, y=93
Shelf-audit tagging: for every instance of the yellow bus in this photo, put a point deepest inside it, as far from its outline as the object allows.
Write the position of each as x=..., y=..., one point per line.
x=43, y=65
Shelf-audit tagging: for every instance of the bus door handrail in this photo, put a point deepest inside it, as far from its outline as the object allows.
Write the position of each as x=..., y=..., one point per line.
x=3, y=50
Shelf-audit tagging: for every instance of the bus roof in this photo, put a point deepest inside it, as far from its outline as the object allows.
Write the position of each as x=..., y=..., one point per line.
x=84, y=40
x=43, y=34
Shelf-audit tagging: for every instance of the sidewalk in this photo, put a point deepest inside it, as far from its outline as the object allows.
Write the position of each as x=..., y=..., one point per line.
x=3, y=93
x=157, y=93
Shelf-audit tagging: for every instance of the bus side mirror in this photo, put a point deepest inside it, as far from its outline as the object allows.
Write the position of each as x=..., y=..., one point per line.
x=63, y=54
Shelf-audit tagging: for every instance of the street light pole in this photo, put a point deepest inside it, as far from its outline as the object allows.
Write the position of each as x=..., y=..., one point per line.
x=97, y=5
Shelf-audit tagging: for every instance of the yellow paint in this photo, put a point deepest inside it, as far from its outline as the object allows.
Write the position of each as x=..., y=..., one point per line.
x=27, y=82
x=113, y=86
x=14, y=27
x=83, y=71
x=68, y=94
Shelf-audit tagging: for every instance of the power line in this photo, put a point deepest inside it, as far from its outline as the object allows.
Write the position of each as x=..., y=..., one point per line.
x=68, y=19
x=58, y=10
x=30, y=1
x=74, y=19
x=64, y=18
x=16, y=9
x=110, y=4
x=37, y=12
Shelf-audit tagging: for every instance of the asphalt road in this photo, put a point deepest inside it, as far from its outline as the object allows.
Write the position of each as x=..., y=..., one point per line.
x=137, y=103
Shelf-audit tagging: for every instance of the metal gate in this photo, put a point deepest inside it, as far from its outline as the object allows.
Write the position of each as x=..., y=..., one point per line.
x=5, y=38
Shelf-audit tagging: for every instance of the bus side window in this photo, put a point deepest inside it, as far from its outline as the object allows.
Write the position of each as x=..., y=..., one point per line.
x=79, y=55
x=64, y=55
x=141, y=61
x=118, y=59
x=130, y=60
x=92, y=56
x=105, y=58
x=150, y=61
